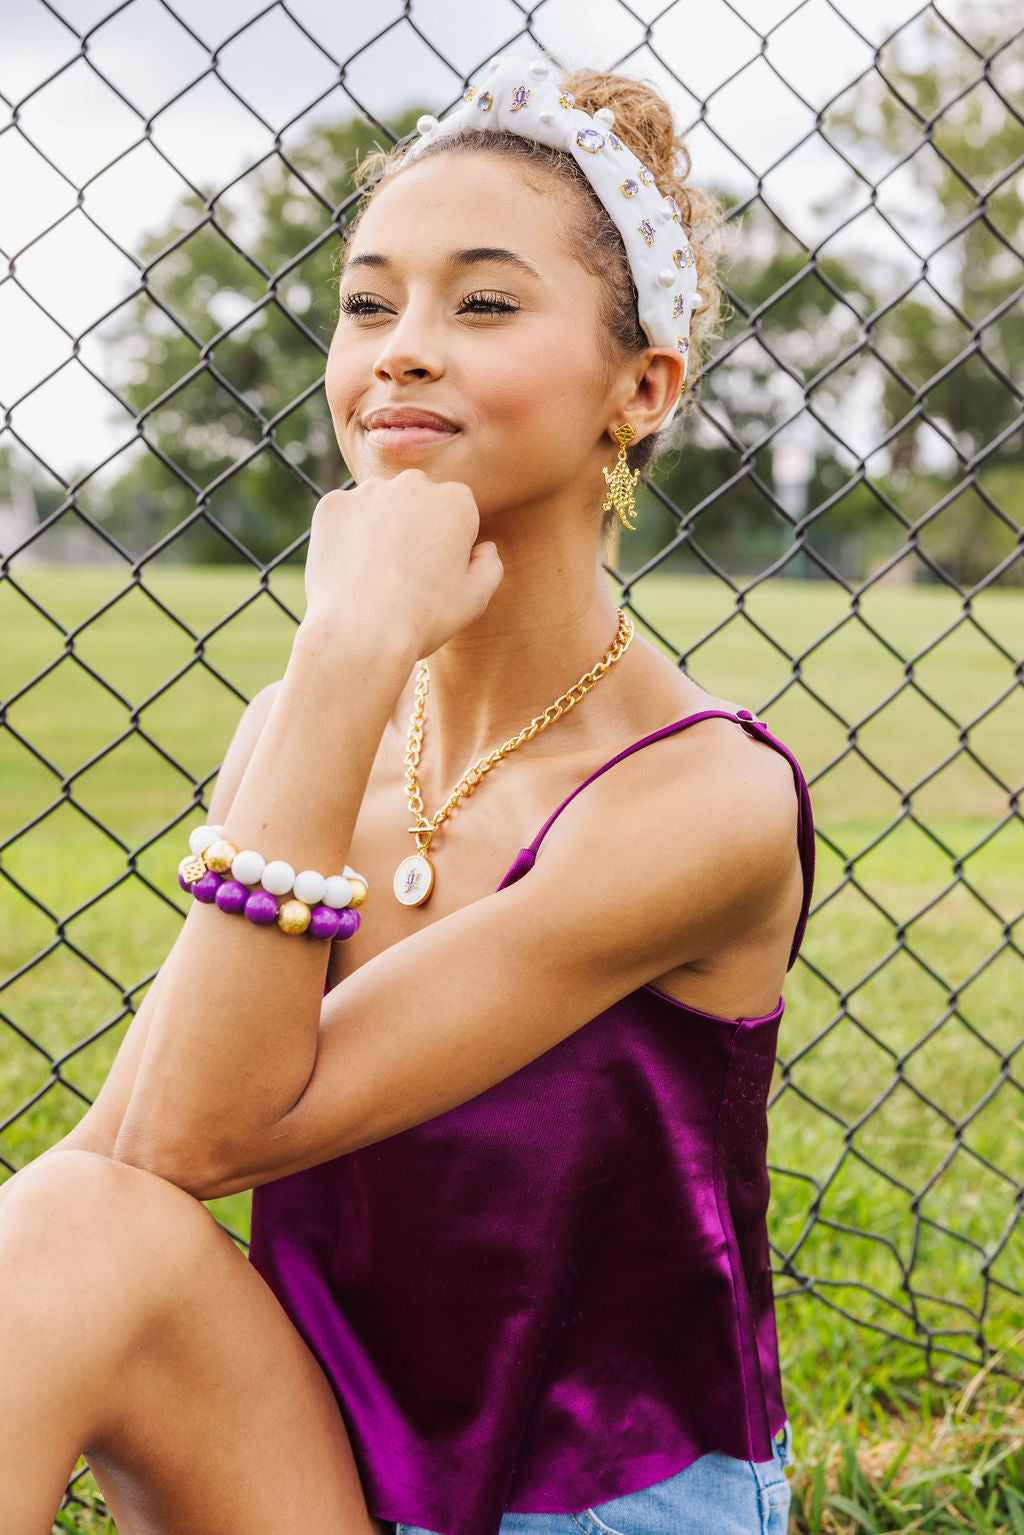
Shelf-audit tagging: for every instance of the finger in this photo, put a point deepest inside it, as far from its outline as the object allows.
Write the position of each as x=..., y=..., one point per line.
x=486, y=570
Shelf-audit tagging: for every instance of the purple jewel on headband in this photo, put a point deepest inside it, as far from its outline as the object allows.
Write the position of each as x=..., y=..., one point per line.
x=645, y=175
x=590, y=140
x=683, y=258
x=629, y=188
x=679, y=306
x=566, y=100
x=683, y=344
x=614, y=142
x=674, y=208
x=520, y=97
x=483, y=103
x=646, y=228
x=468, y=95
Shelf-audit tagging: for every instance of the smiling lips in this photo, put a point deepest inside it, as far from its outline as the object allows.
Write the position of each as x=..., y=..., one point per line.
x=397, y=427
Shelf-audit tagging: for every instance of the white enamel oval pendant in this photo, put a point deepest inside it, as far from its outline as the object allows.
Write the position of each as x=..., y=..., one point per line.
x=414, y=879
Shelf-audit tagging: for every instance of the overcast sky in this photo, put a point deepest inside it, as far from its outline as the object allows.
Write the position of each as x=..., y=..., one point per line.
x=82, y=124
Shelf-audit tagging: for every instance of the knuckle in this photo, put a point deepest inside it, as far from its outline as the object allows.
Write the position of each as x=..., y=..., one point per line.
x=331, y=500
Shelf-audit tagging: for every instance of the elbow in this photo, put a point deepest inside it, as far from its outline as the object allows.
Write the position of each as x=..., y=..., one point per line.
x=173, y=1163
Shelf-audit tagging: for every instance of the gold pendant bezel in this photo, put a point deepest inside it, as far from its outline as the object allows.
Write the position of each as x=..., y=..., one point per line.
x=417, y=861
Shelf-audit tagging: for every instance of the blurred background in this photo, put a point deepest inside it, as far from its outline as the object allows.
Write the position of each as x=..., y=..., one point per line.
x=836, y=545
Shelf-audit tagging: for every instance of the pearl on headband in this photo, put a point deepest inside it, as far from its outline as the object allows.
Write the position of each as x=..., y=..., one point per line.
x=526, y=98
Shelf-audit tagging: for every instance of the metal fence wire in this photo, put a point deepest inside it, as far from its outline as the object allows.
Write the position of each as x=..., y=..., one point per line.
x=858, y=429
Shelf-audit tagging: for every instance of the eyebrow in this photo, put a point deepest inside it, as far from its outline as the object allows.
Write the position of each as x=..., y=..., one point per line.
x=479, y=255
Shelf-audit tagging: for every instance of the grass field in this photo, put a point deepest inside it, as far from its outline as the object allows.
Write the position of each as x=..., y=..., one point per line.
x=897, y=1125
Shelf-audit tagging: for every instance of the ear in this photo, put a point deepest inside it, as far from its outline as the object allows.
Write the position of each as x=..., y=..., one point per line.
x=650, y=385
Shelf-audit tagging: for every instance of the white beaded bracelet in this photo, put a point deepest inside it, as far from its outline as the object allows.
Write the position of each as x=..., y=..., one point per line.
x=279, y=878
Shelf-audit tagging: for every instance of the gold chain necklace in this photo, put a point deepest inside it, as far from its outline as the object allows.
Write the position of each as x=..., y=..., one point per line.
x=414, y=877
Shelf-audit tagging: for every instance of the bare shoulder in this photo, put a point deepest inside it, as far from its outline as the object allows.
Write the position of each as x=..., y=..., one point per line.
x=761, y=775
x=715, y=769
x=719, y=763
x=695, y=837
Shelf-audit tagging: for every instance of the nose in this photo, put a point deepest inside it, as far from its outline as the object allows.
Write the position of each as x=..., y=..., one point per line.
x=410, y=351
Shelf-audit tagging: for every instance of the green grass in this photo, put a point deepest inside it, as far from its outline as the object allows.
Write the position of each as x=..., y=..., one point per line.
x=897, y=1125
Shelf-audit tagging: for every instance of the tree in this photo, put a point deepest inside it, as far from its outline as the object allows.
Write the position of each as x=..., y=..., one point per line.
x=912, y=410
x=223, y=356
x=950, y=346
x=788, y=318
x=899, y=397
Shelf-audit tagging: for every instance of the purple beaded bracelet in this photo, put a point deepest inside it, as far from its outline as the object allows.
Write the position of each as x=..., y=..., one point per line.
x=262, y=908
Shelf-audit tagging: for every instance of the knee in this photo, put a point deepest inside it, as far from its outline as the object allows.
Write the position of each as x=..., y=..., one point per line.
x=67, y=1191
x=82, y=1210
x=60, y=1189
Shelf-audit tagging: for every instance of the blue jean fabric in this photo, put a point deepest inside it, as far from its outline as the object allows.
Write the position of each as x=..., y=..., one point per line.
x=715, y=1495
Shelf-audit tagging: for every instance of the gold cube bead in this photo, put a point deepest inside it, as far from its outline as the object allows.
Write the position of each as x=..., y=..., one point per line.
x=293, y=917
x=359, y=892
x=220, y=856
x=193, y=872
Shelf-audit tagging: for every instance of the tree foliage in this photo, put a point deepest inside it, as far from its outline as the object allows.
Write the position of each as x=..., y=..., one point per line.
x=223, y=356
x=893, y=374
x=947, y=328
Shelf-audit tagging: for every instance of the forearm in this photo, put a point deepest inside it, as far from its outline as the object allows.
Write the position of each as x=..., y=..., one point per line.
x=232, y=1042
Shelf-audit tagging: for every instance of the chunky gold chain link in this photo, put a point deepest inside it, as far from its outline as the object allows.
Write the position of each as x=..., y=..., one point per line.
x=424, y=828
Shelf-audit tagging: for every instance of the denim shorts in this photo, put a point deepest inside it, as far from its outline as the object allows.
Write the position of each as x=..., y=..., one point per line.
x=714, y=1495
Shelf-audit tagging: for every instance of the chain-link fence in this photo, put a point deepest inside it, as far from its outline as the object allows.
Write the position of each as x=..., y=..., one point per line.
x=837, y=546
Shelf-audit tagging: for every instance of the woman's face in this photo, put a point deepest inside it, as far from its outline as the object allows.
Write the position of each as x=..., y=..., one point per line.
x=468, y=343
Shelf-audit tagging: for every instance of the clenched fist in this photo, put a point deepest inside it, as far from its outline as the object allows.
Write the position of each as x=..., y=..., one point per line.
x=401, y=555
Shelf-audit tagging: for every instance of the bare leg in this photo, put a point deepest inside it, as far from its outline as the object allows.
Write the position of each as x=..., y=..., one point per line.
x=133, y=1330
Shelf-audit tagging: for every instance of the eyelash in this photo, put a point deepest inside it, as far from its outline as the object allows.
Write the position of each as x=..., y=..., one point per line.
x=358, y=305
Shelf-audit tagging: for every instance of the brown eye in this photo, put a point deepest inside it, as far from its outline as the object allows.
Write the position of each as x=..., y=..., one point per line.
x=489, y=303
x=357, y=304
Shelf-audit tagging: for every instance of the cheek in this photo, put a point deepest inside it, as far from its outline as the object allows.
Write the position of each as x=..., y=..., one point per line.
x=340, y=383
x=334, y=378
x=544, y=390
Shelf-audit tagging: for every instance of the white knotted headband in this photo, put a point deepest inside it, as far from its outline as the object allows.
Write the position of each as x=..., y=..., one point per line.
x=527, y=99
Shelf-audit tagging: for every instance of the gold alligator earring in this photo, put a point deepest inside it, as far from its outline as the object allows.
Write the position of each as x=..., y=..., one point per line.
x=621, y=483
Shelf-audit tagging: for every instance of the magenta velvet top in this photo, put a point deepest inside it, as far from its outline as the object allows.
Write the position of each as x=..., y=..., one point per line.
x=560, y=1291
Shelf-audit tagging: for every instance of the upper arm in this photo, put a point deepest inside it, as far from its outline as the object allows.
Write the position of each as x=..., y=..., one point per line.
x=642, y=872
x=98, y=1127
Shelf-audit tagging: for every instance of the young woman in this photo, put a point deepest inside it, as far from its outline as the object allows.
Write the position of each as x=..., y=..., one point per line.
x=507, y=1139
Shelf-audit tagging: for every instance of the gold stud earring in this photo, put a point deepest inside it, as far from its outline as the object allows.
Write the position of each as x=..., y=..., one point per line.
x=620, y=481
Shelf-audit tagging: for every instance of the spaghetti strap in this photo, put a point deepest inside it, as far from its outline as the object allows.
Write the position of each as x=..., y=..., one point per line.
x=526, y=856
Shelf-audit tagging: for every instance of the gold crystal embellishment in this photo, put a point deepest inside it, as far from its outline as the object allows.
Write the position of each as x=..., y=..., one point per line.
x=621, y=481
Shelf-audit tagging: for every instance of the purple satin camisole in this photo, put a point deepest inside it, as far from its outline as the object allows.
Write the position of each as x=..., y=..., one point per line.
x=560, y=1291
